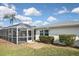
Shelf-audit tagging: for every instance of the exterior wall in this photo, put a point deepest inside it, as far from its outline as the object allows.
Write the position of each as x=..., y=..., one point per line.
x=37, y=34
x=56, y=38
x=68, y=30
x=76, y=43
x=56, y=31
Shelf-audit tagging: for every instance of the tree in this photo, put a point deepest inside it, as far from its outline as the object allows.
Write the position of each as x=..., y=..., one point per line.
x=11, y=17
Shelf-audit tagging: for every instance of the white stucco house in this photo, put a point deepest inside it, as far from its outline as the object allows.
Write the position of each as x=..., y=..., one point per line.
x=26, y=33
x=58, y=29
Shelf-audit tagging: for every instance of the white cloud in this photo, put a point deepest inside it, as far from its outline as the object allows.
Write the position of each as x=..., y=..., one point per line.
x=51, y=18
x=64, y=10
x=32, y=11
x=45, y=23
x=5, y=4
x=6, y=11
x=1, y=23
x=39, y=23
x=76, y=20
x=15, y=23
x=23, y=19
x=1, y=17
x=9, y=6
x=75, y=10
x=13, y=7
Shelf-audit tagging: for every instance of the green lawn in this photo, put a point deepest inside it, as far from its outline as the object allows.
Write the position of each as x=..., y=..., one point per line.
x=44, y=51
x=47, y=51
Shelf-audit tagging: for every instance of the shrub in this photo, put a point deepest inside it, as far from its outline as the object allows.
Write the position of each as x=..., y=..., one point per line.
x=46, y=39
x=67, y=39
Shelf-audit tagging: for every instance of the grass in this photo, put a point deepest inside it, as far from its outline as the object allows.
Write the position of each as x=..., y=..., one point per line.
x=46, y=50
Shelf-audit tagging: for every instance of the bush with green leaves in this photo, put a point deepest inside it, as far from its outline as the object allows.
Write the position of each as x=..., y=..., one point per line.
x=67, y=39
x=46, y=39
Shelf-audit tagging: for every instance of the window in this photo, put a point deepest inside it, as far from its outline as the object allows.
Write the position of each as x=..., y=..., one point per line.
x=22, y=33
x=46, y=32
x=34, y=34
x=29, y=33
x=41, y=32
x=14, y=32
x=29, y=38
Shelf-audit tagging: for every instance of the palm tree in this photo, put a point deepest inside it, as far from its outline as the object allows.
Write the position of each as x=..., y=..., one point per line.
x=11, y=17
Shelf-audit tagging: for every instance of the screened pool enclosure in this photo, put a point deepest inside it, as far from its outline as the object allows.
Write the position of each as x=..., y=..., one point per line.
x=18, y=33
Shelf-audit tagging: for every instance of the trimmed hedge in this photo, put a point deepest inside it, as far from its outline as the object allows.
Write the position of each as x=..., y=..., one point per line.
x=67, y=39
x=46, y=39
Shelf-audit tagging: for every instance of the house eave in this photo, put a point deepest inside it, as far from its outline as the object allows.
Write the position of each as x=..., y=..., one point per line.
x=58, y=26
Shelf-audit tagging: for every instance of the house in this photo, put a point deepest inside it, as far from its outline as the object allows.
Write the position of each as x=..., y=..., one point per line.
x=25, y=33
x=59, y=28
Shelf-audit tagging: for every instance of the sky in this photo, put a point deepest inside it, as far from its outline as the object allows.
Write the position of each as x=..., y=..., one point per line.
x=38, y=14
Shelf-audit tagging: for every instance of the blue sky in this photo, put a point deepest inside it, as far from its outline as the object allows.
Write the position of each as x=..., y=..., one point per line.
x=46, y=13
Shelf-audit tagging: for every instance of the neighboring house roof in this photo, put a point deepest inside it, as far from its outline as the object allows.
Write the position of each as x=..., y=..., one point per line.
x=63, y=24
